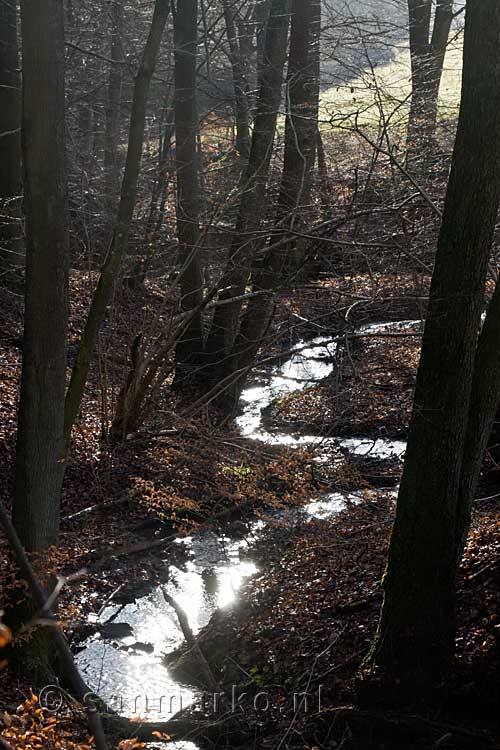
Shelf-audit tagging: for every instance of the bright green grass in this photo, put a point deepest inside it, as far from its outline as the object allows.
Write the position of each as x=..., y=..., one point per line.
x=387, y=87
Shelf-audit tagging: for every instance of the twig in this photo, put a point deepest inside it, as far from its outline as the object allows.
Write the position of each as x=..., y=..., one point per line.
x=93, y=508
x=485, y=569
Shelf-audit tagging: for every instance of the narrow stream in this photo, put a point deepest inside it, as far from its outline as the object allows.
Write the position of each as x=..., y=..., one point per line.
x=124, y=663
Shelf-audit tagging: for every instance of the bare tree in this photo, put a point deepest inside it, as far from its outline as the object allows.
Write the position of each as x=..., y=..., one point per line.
x=226, y=319
x=301, y=133
x=113, y=104
x=119, y=241
x=240, y=84
x=427, y=50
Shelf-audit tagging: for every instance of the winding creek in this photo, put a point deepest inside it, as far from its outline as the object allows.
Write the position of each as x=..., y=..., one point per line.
x=124, y=663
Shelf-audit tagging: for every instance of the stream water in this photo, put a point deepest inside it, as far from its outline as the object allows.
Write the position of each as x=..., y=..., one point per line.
x=127, y=668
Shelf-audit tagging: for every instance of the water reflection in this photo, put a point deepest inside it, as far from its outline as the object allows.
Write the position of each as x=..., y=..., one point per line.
x=135, y=682
x=311, y=364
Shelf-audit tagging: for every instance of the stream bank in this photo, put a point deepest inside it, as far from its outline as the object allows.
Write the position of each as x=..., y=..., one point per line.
x=123, y=660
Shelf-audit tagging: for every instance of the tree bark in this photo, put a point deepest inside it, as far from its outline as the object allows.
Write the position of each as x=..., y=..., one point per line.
x=226, y=318
x=190, y=347
x=10, y=138
x=427, y=52
x=40, y=444
x=119, y=241
x=417, y=626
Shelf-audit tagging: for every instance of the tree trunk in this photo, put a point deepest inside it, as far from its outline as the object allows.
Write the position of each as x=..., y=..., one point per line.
x=239, y=83
x=40, y=443
x=416, y=632
x=485, y=397
x=261, y=13
x=113, y=104
x=427, y=59
x=190, y=347
x=10, y=139
x=301, y=132
x=119, y=241
x=226, y=318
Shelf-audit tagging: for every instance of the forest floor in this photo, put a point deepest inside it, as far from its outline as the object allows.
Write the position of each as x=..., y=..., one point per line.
x=307, y=618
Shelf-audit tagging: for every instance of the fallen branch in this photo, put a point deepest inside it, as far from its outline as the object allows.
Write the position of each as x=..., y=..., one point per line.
x=191, y=641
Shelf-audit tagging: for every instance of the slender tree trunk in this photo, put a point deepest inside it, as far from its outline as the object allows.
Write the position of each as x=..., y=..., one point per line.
x=415, y=637
x=226, y=318
x=190, y=347
x=262, y=10
x=119, y=241
x=113, y=105
x=427, y=59
x=10, y=138
x=239, y=83
x=159, y=197
x=301, y=132
x=40, y=443
x=326, y=191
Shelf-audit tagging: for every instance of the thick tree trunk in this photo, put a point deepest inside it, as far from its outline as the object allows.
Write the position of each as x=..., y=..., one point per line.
x=301, y=132
x=113, y=105
x=40, y=443
x=417, y=626
x=240, y=85
x=427, y=59
x=119, y=241
x=190, y=347
x=485, y=398
x=226, y=318
x=10, y=139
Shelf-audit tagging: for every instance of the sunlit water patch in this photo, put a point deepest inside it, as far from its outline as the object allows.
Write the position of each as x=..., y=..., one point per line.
x=312, y=363
x=129, y=673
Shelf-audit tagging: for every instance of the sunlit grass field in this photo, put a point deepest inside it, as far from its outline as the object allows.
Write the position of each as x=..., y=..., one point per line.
x=386, y=89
